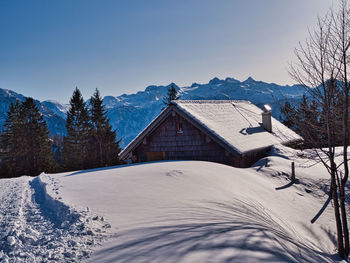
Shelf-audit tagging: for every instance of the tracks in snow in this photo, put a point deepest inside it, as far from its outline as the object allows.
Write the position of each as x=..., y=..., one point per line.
x=36, y=228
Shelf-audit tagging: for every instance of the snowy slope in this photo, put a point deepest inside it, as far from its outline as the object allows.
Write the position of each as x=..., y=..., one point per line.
x=56, y=107
x=185, y=211
x=203, y=212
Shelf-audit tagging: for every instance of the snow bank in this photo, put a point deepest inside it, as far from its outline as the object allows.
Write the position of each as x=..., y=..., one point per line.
x=80, y=227
x=193, y=211
x=59, y=213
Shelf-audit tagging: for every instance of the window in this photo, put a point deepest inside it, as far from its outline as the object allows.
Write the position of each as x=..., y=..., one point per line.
x=179, y=128
x=178, y=124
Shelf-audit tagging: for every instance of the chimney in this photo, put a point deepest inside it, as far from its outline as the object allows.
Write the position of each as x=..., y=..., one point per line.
x=266, y=118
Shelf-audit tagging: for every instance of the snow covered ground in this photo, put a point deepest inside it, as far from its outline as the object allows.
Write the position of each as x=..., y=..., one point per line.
x=184, y=211
x=34, y=227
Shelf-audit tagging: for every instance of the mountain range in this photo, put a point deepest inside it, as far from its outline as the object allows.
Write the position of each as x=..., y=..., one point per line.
x=130, y=113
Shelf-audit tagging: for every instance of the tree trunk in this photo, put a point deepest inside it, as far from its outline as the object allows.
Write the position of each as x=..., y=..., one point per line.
x=345, y=131
x=101, y=154
x=337, y=215
x=344, y=219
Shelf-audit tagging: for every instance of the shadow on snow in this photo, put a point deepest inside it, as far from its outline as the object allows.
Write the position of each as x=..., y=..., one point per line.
x=226, y=233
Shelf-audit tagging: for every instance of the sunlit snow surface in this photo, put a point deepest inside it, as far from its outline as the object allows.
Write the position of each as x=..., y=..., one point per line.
x=184, y=211
x=237, y=123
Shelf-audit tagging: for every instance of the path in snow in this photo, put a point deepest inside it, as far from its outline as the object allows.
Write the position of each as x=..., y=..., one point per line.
x=37, y=228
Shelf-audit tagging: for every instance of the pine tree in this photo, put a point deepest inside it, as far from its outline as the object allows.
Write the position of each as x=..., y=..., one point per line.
x=76, y=143
x=104, y=148
x=57, y=145
x=26, y=147
x=36, y=148
x=316, y=129
x=288, y=116
x=172, y=94
x=308, y=124
x=10, y=143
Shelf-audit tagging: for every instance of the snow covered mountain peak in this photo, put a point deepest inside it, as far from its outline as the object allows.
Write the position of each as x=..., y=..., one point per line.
x=231, y=80
x=11, y=94
x=249, y=80
x=216, y=81
x=54, y=113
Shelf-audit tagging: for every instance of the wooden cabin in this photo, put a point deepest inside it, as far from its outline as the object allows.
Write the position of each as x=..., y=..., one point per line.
x=236, y=133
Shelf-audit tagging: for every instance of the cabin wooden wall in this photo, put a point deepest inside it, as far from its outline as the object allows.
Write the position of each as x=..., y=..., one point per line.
x=252, y=157
x=168, y=143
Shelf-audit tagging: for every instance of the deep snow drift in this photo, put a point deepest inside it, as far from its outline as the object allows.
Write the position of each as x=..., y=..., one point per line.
x=185, y=211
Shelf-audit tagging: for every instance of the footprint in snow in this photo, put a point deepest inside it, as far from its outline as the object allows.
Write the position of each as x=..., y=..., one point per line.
x=174, y=173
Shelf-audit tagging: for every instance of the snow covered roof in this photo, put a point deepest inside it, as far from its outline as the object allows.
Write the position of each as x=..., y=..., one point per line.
x=235, y=124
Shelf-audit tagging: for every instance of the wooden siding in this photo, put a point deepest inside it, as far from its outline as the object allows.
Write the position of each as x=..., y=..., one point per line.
x=188, y=144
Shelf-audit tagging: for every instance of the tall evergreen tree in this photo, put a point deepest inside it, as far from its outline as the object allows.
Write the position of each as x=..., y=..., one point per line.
x=25, y=143
x=57, y=145
x=172, y=94
x=308, y=126
x=10, y=143
x=305, y=119
x=76, y=143
x=36, y=148
x=104, y=148
x=289, y=116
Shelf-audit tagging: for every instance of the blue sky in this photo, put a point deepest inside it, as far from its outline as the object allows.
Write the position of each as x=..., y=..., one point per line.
x=49, y=47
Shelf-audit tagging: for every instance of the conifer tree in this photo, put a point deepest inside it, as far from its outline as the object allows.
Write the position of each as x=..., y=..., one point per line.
x=57, y=145
x=305, y=119
x=76, y=143
x=289, y=116
x=308, y=124
x=104, y=148
x=10, y=143
x=26, y=147
x=36, y=147
x=172, y=94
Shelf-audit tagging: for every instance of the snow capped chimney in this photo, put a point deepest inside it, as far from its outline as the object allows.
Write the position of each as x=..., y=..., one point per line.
x=266, y=118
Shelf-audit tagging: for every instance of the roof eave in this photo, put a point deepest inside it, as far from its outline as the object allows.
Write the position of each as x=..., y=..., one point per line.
x=148, y=129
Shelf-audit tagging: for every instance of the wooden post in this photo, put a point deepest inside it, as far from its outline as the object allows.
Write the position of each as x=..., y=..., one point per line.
x=293, y=173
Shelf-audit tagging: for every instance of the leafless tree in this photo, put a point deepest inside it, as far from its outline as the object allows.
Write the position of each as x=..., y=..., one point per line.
x=322, y=68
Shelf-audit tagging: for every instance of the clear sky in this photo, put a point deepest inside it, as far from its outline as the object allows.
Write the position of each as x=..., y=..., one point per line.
x=49, y=47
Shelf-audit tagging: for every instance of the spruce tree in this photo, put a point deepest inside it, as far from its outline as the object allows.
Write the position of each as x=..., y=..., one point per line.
x=104, y=148
x=76, y=143
x=26, y=147
x=10, y=143
x=172, y=94
x=308, y=125
x=57, y=145
x=36, y=149
x=288, y=116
